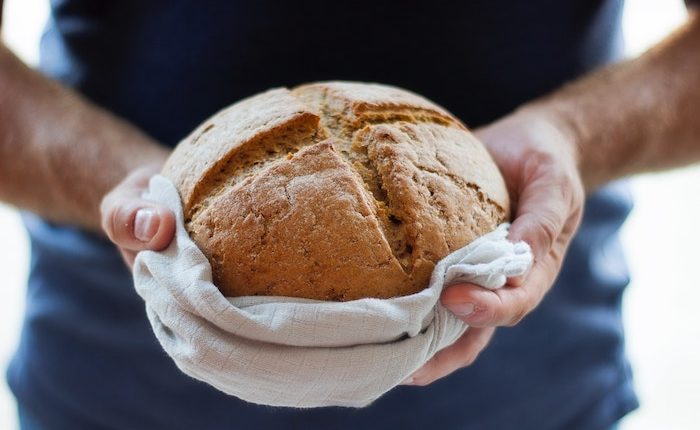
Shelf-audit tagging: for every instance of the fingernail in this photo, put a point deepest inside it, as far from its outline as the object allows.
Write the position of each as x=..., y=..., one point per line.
x=145, y=224
x=462, y=309
x=407, y=381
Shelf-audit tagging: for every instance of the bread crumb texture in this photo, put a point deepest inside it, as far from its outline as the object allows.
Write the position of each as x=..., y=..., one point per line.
x=333, y=191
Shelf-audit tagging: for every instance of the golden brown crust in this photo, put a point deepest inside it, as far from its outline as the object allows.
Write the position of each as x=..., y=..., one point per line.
x=334, y=191
x=301, y=227
x=197, y=161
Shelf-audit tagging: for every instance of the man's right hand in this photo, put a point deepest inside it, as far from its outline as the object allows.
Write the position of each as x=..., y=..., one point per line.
x=133, y=223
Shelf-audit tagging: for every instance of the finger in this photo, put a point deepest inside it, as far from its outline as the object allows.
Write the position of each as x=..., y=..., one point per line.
x=480, y=307
x=543, y=209
x=137, y=224
x=460, y=354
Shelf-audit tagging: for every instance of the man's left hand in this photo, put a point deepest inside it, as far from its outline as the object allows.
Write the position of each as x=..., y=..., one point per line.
x=539, y=162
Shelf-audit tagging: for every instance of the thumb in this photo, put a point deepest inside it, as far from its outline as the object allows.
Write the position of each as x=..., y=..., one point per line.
x=135, y=224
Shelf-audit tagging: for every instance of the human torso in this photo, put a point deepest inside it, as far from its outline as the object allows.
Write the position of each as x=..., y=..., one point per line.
x=88, y=358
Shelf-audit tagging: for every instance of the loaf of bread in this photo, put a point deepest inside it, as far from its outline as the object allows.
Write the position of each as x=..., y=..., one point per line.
x=333, y=191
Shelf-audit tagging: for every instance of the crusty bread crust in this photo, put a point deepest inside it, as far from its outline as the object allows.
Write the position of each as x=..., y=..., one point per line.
x=334, y=191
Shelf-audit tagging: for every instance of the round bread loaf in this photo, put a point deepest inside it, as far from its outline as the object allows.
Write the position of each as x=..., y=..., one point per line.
x=333, y=191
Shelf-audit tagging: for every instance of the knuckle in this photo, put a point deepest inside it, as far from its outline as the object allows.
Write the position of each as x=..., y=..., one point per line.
x=517, y=317
x=514, y=320
x=527, y=304
x=546, y=230
x=488, y=314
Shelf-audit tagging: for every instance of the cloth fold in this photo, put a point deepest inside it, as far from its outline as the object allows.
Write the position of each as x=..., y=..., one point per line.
x=302, y=353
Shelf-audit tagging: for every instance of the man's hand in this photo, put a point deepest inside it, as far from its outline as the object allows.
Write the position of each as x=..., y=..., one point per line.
x=631, y=117
x=135, y=224
x=538, y=159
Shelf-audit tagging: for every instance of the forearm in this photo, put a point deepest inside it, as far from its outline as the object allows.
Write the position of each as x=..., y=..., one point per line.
x=59, y=154
x=636, y=116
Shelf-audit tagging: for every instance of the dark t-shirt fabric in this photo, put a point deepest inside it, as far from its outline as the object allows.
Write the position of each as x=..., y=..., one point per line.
x=88, y=358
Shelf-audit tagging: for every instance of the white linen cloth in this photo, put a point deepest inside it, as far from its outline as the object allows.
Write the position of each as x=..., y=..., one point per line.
x=303, y=353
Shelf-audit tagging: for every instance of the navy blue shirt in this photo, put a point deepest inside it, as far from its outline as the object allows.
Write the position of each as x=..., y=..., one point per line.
x=88, y=358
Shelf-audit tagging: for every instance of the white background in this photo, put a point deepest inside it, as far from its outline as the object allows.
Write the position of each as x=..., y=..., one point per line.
x=661, y=238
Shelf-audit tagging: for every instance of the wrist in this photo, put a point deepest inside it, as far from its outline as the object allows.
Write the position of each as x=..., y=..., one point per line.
x=554, y=122
x=558, y=123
